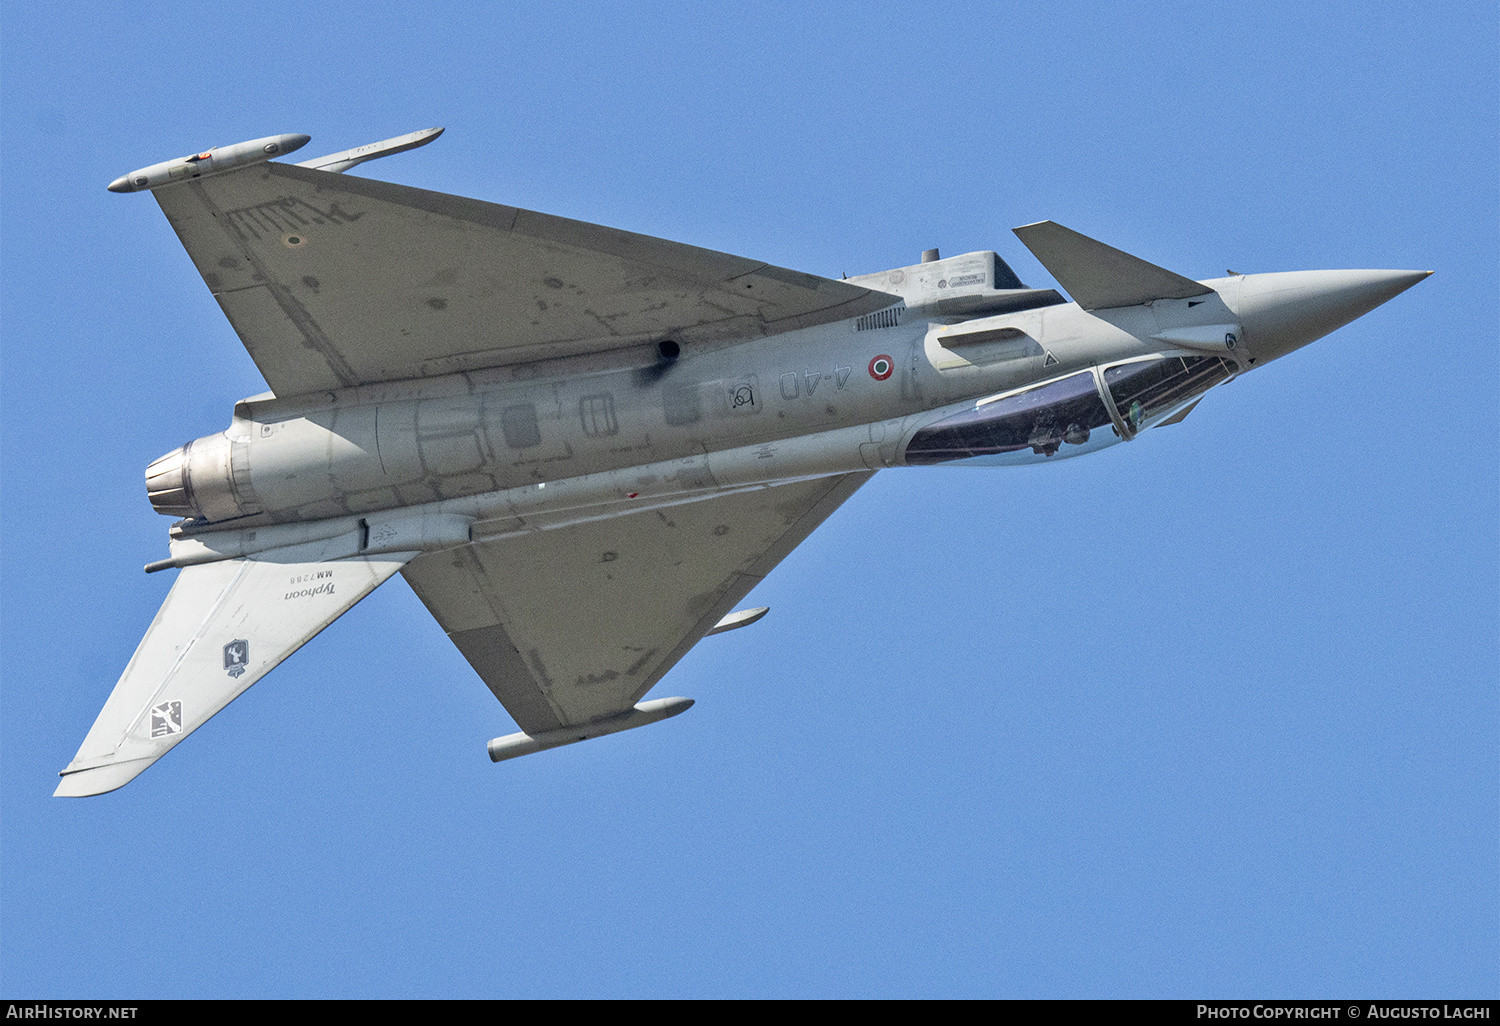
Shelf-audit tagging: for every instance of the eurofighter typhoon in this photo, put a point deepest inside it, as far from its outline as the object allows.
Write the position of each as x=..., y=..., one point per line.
x=583, y=447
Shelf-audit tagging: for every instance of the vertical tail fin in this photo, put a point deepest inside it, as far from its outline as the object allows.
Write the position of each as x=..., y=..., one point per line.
x=222, y=627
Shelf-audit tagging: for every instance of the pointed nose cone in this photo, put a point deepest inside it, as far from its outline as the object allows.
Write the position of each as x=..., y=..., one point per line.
x=1285, y=311
x=121, y=184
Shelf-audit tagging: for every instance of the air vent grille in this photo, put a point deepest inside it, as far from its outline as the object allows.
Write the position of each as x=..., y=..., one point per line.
x=887, y=318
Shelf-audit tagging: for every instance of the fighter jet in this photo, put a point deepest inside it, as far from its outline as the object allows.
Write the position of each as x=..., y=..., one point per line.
x=583, y=447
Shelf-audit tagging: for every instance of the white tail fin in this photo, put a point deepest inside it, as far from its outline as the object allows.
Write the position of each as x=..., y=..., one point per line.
x=223, y=627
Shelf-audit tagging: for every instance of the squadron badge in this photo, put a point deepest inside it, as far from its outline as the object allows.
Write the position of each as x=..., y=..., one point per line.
x=166, y=719
x=236, y=657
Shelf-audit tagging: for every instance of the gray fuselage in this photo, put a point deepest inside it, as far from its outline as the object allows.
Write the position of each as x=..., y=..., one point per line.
x=542, y=445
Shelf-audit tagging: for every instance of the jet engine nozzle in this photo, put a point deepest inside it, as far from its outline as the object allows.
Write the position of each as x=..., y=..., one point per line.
x=1286, y=310
x=197, y=481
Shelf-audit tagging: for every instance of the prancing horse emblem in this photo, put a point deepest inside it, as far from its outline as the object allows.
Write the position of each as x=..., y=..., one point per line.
x=236, y=657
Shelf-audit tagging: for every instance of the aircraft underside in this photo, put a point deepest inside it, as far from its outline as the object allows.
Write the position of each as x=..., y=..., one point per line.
x=583, y=448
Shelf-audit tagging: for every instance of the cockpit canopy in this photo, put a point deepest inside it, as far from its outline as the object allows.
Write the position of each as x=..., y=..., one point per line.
x=1066, y=416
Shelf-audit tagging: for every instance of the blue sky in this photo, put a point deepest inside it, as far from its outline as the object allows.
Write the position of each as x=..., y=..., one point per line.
x=1212, y=714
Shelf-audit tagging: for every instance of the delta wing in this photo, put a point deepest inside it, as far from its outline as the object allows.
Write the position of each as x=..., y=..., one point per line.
x=574, y=625
x=332, y=280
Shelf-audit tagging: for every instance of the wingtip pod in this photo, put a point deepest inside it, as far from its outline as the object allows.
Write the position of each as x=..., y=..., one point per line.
x=512, y=746
x=210, y=162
